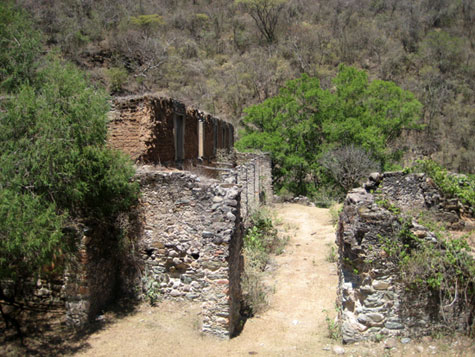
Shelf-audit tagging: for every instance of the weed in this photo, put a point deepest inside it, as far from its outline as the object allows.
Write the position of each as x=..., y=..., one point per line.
x=335, y=210
x=151, y=289
x=333, y=326
x=332, y=255
x=261, y=240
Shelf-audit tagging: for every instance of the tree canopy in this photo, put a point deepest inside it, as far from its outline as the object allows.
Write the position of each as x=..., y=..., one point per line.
x=55, y=166
x=304, y=122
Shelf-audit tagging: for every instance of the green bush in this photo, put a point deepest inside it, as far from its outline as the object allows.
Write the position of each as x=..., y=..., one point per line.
x=55, y=165
x=444, y=269
x=116, y=78
x=20, y=47
x=453, y=185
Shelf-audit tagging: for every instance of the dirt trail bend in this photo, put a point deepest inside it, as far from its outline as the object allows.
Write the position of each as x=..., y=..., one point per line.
x=294, y=325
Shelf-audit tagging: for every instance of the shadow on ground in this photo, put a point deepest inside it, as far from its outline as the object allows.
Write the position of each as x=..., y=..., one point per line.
x=46, y=334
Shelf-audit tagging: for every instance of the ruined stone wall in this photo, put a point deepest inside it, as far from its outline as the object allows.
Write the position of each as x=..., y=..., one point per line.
x=372, y=296
x=91, y=277
x=86, y=287
x=191, y=243
x=254, y=175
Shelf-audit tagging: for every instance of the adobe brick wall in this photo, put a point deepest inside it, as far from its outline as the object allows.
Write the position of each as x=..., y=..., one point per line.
x=143, y=127
x=191, y=134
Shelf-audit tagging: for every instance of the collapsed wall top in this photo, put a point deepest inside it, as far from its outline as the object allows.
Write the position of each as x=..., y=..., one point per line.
x=162, y=131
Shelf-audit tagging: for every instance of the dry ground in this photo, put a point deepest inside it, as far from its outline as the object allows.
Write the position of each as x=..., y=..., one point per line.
x=304, y=285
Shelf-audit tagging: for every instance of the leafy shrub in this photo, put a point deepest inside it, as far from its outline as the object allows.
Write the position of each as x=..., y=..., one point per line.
x=55, y=165
x=304, y=121
x=453, y=185
x=20, y=47
x=444, y=270
x=151, y=289
x=116, y=77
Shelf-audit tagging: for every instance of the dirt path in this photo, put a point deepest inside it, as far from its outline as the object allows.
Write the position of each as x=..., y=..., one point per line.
x=294, y=325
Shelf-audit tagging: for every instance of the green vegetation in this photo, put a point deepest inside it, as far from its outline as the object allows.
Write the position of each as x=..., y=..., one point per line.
x=260, y=241
x=304, y=123
x=20, y=47
x=443, y=269
x=333, y=326
x=453, y=185
x=55, y=166
x=151, y=290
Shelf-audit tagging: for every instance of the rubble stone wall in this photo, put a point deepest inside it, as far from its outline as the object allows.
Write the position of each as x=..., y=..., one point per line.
x=372, y=297
x=254, y=175
x=191, y=243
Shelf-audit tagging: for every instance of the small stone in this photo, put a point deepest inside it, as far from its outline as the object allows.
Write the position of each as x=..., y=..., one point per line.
x=375, y=176
x=231, y=216
x=380, y=285
x=175, y=293
x=420, y=349
x=375, y=317
x=393, y=325
x=405, y=340
x=217, y=199
x=338, y=350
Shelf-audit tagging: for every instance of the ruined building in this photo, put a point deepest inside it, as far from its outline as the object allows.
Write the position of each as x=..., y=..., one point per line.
x=184, y=239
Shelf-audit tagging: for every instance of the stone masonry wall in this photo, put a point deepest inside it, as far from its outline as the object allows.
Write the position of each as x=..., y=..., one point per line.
x=88, y=284
x=371, y=295
x=254, y=175
x=191, y=243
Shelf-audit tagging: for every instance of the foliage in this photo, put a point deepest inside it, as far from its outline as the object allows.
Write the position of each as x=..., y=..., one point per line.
x=151, y=289
x=442, y=268
x=20, y=46
x=446, y=269
x=147, y=22
x=212, y=54
x=304, y=121
x=117, y=76
x=335, y=210
x=56, y=167
x=334, y=327
x=332, y=256
x=453, y=185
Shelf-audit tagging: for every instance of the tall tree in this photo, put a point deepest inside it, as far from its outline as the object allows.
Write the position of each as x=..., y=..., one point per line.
x=304, y=121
